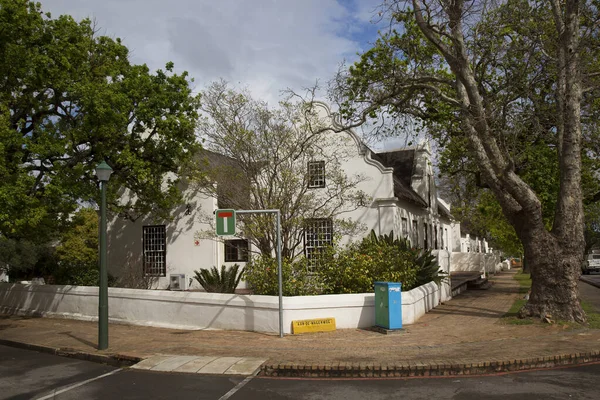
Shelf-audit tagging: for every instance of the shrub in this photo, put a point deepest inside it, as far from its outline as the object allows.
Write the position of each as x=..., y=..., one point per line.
x=225, y=281
x=428, y=269
x=353, y=269
x=356, y=268
x=261, y=275
x=378, y=258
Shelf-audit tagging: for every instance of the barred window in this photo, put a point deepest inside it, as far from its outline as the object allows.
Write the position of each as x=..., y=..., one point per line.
x=155, y=250
x=316, y=174
x=236, y=250
x=318, y=234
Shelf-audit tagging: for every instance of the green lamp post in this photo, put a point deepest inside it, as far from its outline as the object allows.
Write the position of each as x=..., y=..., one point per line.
x=103, y=172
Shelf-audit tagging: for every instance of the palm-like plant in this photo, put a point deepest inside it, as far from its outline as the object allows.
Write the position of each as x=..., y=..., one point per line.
x=427, y=267
x=224, y=281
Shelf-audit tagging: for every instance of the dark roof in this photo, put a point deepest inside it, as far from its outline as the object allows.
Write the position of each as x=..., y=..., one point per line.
x=443, y=211
x=213, y=159
x=232, y=183
x=402, y=191
x=402, y=161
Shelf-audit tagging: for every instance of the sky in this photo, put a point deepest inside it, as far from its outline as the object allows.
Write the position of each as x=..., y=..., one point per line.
x=264, y=45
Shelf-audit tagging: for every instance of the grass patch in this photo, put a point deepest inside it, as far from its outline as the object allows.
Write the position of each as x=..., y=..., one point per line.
x=592, y=316
x=511, y=317
x=524, y=282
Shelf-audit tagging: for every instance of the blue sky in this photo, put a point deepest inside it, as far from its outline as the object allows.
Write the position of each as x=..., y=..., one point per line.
x=264, y=45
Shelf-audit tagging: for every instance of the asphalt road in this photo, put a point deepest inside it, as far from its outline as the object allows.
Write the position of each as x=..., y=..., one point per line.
x=594, y=277
x=28, y=374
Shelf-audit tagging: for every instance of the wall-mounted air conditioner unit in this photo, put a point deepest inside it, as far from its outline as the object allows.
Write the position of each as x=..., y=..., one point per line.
x=177, y=282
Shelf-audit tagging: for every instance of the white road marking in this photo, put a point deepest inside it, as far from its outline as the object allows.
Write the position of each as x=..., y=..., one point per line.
x=50, y=396
x=239, y=386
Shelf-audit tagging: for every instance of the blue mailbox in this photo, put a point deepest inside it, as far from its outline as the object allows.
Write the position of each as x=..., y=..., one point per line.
x=388, y=305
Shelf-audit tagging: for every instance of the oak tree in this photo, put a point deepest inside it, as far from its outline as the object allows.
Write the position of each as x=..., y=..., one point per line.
x=503, y=80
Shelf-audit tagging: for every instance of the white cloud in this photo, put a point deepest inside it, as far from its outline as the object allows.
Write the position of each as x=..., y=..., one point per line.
x=266, y=45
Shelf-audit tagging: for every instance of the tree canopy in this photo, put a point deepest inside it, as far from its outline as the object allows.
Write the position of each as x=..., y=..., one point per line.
x=70, y=98
x=508, y=90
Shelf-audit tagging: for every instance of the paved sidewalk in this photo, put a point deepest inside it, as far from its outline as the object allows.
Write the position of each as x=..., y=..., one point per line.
x=465, y=335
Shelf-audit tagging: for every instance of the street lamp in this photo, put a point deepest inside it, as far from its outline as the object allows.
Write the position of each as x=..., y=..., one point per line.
x=103, y=172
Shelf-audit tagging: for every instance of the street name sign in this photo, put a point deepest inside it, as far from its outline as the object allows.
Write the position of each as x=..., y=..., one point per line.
x=313, y=325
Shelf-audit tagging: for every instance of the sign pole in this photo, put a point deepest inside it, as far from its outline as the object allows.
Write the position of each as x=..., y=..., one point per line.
x=279, y=273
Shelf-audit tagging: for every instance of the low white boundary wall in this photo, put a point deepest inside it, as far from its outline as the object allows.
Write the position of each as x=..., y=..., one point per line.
x=199, y=310
x=480, y=262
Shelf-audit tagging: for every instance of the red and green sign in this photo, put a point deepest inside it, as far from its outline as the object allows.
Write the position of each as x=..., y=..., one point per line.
x=225, y=222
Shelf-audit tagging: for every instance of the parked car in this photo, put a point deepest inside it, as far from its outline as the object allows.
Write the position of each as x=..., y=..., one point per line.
x=516, y=263
x=591, y=263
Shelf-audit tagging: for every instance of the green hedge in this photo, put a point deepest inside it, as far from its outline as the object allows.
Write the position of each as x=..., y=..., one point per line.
x=352, y=269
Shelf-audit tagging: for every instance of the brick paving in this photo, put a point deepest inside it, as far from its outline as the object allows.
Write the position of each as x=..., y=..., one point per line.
x=466, y=330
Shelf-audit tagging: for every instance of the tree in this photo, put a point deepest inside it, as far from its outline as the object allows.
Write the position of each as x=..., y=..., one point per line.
x=505, y=80
x=77, y=252
x=260, y=161
x=479, y=213
x=70, y=98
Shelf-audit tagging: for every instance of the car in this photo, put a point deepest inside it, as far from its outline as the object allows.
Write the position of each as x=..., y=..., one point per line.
x=591, y=263
x=516, y=263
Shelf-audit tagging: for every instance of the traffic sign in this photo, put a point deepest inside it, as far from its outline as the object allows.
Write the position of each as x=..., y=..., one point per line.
x=225, y=222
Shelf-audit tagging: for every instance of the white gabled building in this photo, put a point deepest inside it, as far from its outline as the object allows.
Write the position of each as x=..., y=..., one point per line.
x=403, y=198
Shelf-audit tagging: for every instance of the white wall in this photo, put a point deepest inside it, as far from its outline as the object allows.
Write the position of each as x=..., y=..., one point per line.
x=197, y=310
x=479, y=262
x=466, y=262
x=183, y=256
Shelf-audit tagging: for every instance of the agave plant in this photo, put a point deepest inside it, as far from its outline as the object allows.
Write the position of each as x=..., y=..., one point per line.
x=223, y=281
x=427, y=267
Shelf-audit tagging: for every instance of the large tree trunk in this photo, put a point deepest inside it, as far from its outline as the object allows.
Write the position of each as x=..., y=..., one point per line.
x=555, y=268
x=554, y=257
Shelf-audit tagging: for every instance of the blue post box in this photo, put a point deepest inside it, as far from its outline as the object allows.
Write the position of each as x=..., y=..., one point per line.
x=388, y=305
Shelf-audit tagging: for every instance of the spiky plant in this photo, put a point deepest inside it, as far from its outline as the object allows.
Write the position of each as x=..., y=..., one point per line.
x=223, y=281
x=427, y=267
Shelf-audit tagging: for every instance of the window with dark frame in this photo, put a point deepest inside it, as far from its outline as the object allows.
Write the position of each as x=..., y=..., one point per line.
x=432, y=239
x=316, y=174
x=441, y=238
x=446, y=234
x=415, y=232
x=154, y=239
x=404, y=227
x=236, y=250
x=318, y=235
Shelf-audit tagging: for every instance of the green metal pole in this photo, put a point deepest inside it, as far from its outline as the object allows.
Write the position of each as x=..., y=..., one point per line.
x=103, y=290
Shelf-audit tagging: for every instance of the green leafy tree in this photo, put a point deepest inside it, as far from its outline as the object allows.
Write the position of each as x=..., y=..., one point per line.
x=70, y=98
x=508, y=84
x=77, y=252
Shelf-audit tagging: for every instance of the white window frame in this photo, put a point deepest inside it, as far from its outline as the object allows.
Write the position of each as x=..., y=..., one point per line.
x=316, y=174
x=154, y=250
x=318, y=235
